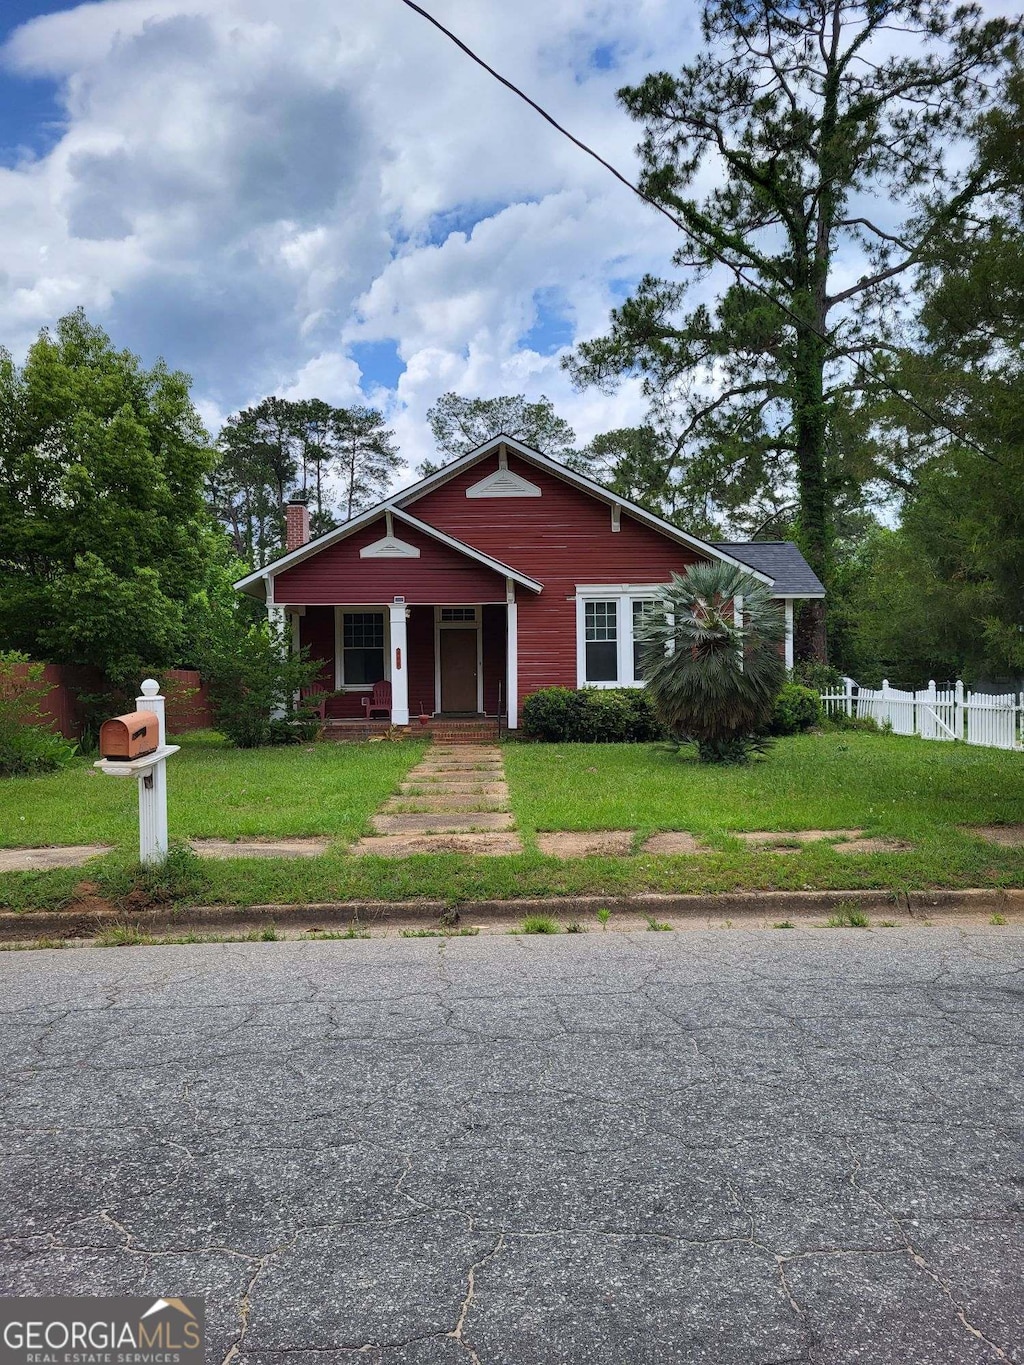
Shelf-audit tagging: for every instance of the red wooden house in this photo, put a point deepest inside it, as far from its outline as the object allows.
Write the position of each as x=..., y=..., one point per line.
x=503, y=573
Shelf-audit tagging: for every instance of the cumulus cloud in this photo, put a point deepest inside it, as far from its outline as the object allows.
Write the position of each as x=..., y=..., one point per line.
x=275, y=196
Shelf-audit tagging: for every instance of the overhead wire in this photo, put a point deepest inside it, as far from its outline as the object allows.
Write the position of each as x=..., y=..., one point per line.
x=683, y=226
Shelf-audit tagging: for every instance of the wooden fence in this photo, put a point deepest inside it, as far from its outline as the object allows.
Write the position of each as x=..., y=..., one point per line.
x=997, y=722
x=188, y=705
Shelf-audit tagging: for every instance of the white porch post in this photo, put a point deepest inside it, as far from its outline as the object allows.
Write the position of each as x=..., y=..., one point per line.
x=399, y=666
x=278, y=624
x=789, y=632
x=512, y=655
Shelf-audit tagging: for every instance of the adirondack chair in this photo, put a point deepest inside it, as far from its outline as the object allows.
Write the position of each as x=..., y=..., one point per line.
x=380, y=701
x=314, y=702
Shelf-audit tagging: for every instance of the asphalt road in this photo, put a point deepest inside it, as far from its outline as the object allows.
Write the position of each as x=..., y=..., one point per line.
x=727, y=1147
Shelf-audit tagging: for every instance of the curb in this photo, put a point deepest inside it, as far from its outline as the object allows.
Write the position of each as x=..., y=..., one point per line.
x=722, y=905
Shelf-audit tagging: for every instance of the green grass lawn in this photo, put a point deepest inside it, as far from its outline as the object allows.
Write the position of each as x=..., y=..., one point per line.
x=885, y=784
x=213, y=790
x=904, y=788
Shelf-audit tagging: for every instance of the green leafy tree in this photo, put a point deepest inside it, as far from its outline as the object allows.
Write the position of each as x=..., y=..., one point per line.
x=640, y=463
x=823, y=129
x=943, y=595
x=461, y=424
x=366, y=457
x=104, y=538
x=712, y=661
x=260, y=455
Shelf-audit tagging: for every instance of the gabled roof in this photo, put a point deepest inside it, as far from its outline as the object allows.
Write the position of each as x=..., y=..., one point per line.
x=782, y=562
x=570, y=476
x=258, y=578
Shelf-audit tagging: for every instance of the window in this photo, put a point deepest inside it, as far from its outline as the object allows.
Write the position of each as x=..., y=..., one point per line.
x=611, y=623
x=458, y=614
x=362, y=648
x=643, y=609
x=600, y=633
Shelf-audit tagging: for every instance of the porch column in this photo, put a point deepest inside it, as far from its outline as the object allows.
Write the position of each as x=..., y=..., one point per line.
x=789, y=632
x=279, y=626
x=399, y=666
x=512, y=655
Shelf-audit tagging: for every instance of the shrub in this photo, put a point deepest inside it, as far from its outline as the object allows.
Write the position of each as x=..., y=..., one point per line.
x=253, y=681
x=26, y=745
x=797, y=708
x=618, y=715
x=820, y=677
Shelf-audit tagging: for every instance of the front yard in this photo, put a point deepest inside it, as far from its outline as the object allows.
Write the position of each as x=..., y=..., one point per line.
x=921, y=793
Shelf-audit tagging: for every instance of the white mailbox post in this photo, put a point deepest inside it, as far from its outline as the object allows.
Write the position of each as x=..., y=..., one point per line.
x=151, y=772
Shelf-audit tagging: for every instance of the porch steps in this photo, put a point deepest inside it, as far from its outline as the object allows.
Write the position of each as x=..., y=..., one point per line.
x=481, y=730
x=455, y=800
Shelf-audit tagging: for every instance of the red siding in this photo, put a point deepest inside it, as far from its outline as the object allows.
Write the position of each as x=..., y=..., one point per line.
x=338, y=575
x=562, y=538
x=316, y=631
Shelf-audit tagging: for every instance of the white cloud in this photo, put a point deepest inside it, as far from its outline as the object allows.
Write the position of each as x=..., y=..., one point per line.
x=254, y=189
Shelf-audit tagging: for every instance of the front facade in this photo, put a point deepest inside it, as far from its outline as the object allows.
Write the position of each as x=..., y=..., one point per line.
x=503, y=573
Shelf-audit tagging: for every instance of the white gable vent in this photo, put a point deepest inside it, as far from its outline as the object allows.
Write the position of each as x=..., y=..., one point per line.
x=389, y=546
x=503, y=483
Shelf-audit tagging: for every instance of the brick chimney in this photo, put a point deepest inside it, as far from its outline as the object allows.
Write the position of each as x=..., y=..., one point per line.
x=296, y=525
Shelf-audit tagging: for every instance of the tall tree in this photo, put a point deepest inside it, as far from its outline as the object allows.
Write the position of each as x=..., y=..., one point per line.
x=461, y=424
x=640, y=463
x=105, y=545
x=825, y=127
x=961, y=542
x=366, y=456
x=315, y=421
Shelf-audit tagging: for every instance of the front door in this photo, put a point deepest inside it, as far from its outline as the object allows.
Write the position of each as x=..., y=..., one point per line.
x=458, y=669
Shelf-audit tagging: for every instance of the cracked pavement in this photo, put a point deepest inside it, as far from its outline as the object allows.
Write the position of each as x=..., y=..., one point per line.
x=729, y=1147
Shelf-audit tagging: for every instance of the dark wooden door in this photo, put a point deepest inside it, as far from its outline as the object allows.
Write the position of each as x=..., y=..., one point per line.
x=458, y=669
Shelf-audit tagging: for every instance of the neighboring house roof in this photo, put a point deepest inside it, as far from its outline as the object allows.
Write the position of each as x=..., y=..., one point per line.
x=255, y=583
x=781, y=561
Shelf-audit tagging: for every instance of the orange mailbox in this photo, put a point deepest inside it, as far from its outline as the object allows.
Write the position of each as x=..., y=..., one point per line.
x=131, y=736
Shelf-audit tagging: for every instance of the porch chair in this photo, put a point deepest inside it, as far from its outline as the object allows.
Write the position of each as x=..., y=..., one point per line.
x=380, y=701
x=313, y=701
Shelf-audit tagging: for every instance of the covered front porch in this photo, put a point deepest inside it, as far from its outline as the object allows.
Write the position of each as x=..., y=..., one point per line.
x=450, y=665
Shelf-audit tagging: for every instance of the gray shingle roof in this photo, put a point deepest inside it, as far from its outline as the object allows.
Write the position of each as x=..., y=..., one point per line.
x=781, y=560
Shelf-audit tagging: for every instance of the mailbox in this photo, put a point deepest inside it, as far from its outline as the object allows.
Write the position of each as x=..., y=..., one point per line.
x=131, y=736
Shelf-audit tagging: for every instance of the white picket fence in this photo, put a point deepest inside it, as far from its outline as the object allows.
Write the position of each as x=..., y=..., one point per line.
x=950, y=713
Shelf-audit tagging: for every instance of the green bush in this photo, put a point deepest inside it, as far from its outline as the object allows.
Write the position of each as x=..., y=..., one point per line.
x=820, y=677
x=26, y=745
x=617, y=715
x=797, y=708
x=253, y=680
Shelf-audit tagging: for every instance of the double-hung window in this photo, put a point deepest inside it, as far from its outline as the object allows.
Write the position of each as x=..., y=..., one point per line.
x=363, y=649
x=610, y=645
x=601, y=635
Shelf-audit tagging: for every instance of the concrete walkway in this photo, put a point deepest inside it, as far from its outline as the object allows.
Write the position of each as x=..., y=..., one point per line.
x=455, y=800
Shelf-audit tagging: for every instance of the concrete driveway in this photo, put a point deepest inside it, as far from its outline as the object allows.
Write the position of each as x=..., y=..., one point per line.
x=721, y=1146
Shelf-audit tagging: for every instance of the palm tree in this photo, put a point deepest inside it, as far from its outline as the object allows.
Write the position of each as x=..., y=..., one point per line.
x=712, y=660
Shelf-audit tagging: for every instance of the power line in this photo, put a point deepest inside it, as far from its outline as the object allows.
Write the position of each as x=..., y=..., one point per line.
x=683, y=227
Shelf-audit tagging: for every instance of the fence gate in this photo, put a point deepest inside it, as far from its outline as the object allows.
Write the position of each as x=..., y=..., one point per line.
x=952, y=713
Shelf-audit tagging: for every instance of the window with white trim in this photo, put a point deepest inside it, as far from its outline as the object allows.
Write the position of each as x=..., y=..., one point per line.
x=363, y=648
x=458, y=614
x=610, y=630
x=600, y=635
x=643, y=610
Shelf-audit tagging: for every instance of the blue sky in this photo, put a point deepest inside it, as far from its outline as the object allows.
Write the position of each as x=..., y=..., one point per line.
x=330, y=200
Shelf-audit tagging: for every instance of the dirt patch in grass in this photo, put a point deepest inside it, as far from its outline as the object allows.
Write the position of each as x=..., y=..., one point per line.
x=783, y=839
x=40, y=859
x=259, y=848
x=574, y=844
x=405, y=845
x=874, y=846
x=1008, y=836
x=674, y=841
